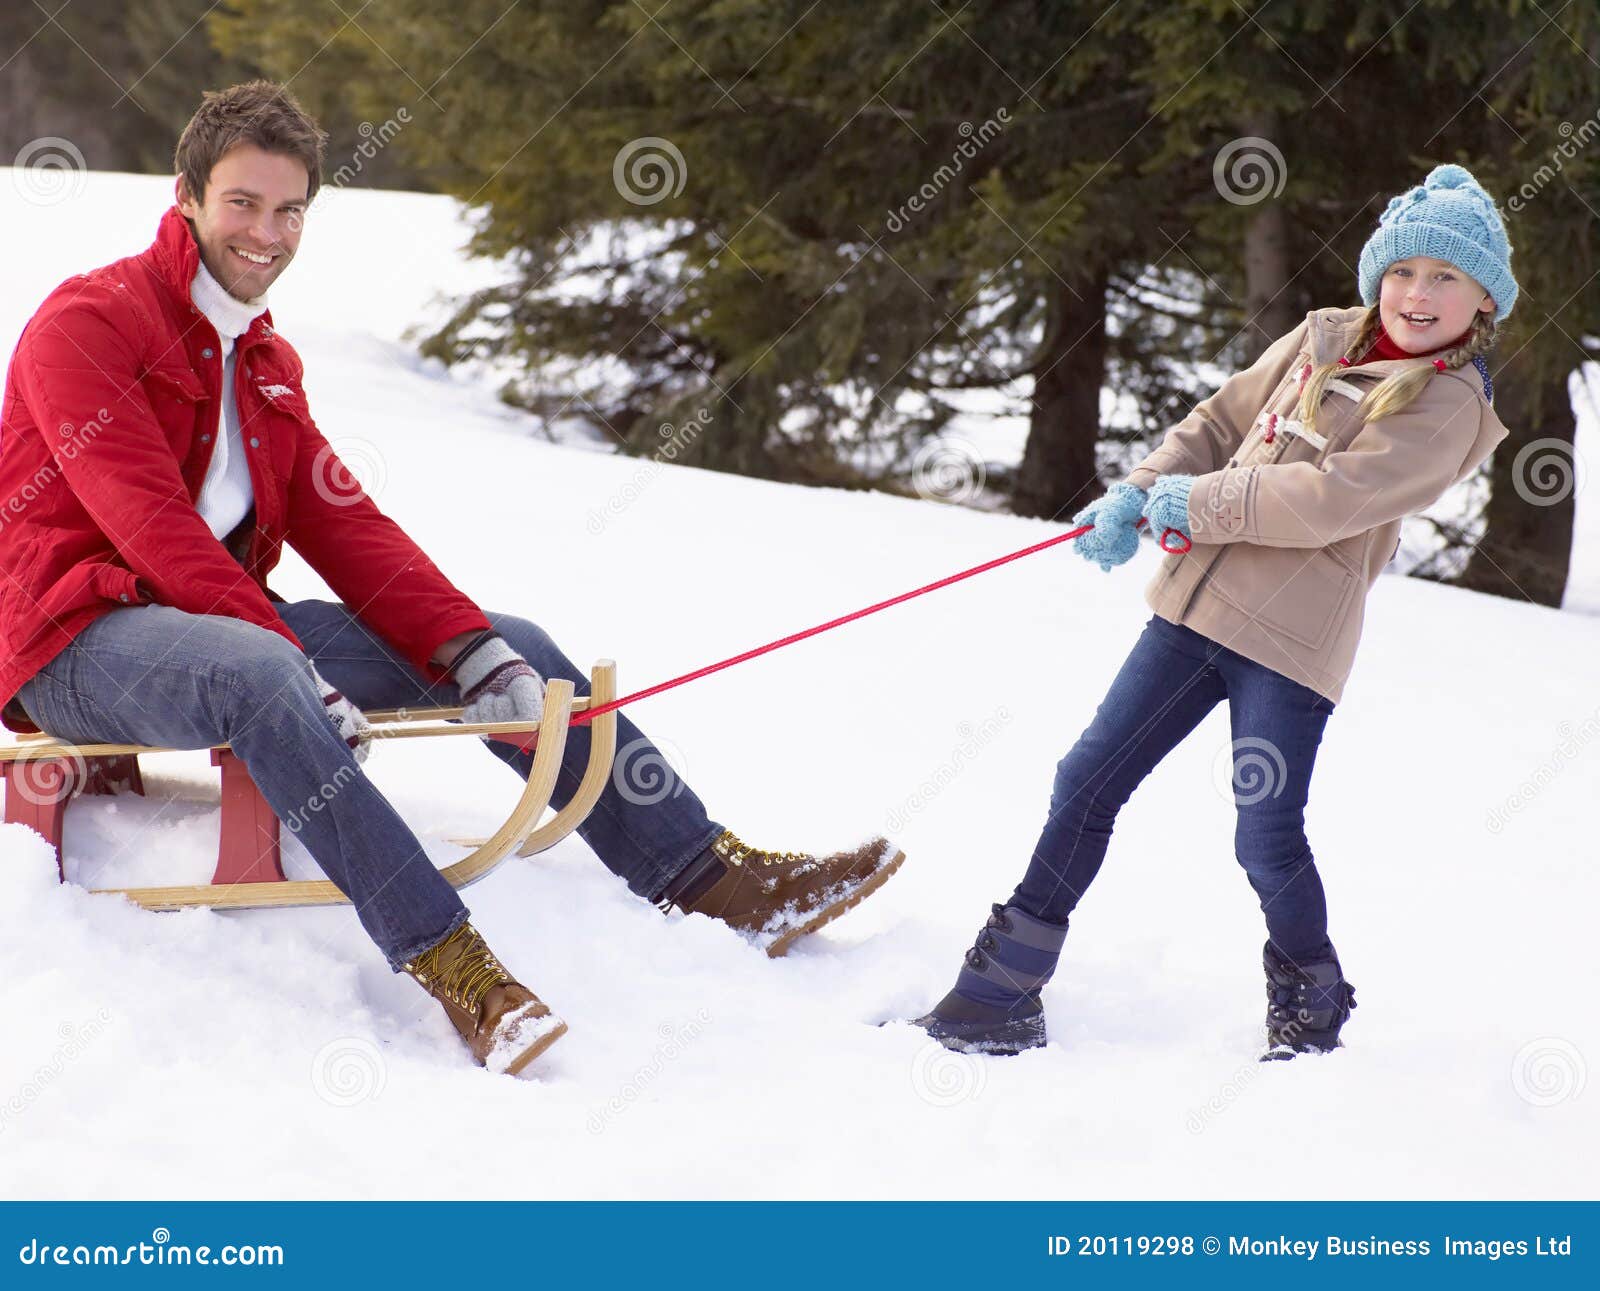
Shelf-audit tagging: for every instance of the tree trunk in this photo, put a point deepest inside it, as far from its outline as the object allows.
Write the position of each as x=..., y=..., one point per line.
x=1268, y=306
x=1527, y=547
x=1058, y=474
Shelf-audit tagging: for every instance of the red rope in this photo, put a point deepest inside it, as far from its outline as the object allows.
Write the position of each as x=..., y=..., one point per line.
x=579, y=719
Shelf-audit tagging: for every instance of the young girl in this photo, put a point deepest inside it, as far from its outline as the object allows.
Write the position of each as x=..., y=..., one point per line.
x=1291, y=483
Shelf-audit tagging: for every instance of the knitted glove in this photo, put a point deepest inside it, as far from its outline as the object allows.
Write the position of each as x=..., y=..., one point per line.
x=1115, y=517
x=497, y=684
x=1168, y=507
x=348, y=720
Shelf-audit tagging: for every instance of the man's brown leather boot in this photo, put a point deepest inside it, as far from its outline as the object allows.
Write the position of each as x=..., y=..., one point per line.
x=505, y=1024
x=776, y=897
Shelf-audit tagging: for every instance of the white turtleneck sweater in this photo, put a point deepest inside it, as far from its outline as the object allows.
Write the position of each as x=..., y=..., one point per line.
x=225, y=495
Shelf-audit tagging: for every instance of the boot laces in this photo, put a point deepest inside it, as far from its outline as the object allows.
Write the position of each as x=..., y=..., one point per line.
x=986, y=938
x=735, y=851
x=466, y=975
x=1289, y=993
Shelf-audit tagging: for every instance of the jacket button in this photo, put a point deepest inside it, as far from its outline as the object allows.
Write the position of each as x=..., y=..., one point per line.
x=207, y=352
x=123, y=597
x=254, y=442
x=205, y=439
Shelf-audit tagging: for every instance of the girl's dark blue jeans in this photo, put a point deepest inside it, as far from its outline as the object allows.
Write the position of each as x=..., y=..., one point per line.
x=1170, y=681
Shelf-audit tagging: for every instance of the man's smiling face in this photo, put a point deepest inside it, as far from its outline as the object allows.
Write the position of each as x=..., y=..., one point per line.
x=248, y=225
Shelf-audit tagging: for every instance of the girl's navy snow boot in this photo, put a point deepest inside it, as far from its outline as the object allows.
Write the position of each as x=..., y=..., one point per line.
x=1306, y=1005
x=995, y=1005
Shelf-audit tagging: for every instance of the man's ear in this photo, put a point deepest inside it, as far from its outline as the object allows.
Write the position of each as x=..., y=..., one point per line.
x=181, y=196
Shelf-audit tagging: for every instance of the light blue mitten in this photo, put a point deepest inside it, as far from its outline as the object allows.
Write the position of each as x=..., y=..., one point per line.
x=1168, y=507
x=1115, y=517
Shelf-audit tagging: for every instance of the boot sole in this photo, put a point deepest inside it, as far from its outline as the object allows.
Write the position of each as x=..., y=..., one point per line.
x=524, y=1059
x=828, y=913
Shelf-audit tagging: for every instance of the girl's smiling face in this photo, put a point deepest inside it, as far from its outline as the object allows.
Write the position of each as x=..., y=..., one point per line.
x=1427, y=288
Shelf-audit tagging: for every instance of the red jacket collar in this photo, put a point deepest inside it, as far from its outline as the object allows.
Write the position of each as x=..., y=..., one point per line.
x=175, y=258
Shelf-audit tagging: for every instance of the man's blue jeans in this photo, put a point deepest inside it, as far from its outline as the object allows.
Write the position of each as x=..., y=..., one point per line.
x=155, y=675
x=1172, y=678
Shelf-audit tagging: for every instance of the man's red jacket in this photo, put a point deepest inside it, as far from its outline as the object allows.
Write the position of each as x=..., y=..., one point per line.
x=112, y=406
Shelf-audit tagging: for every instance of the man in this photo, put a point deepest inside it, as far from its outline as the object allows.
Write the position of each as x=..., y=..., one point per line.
x=156, y=451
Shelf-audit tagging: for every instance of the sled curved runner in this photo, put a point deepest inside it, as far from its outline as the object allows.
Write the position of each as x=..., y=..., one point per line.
x=42, y=774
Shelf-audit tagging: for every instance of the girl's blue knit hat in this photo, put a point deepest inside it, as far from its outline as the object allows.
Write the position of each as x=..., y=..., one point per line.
x=1449, y=217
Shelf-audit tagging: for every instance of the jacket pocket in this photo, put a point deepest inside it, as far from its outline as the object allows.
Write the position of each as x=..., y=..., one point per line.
x=1290, y=590
x=175, y=385
x=19, y=590
x=176, y=396
x=118, y=583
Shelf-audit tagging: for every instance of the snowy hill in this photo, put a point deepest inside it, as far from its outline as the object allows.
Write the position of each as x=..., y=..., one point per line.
x=270, y=1054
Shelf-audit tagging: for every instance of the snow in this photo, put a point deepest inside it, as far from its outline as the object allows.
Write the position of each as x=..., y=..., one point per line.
x=271, y=1053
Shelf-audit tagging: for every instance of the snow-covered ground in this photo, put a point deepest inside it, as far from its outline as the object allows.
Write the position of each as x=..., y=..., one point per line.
x=271, y=1054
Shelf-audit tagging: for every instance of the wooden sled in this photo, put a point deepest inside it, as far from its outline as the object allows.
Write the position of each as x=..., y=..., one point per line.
x=43, y=774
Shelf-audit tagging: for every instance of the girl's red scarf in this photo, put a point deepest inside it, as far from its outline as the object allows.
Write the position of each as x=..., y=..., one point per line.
x=1385, y=348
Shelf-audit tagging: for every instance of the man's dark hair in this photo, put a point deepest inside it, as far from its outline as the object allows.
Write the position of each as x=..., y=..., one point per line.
x=262, y=113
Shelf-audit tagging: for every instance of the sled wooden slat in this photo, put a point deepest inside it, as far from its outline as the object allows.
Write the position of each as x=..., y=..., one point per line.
x=305, y=892
x=520, y=831
x=386, y=725
x=602, y=752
